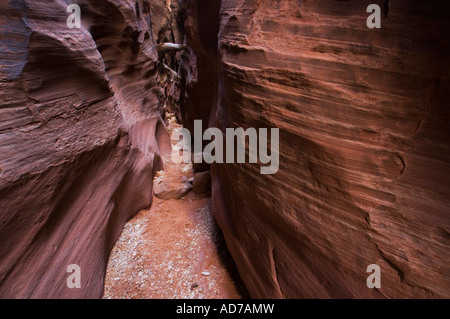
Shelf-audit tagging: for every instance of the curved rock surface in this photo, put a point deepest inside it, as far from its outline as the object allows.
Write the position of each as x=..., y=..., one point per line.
x=364, y=151
x=81, y=135
x=364, y=147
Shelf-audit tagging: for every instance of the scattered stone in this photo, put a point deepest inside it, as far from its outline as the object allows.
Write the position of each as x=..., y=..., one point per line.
x=172, y=189
x=194, y=285
x=174, y=234
x=187, y=168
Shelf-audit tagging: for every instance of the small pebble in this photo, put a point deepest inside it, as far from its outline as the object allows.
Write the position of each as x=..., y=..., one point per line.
x=193, y=286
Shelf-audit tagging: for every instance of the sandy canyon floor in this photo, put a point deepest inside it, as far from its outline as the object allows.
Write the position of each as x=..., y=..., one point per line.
x=172, y=250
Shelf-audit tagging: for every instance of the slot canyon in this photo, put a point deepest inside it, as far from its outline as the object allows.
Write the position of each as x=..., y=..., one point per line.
x=86, y=176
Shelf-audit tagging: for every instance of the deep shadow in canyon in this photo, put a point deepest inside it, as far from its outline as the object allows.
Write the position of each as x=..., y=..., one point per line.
x=228, y=261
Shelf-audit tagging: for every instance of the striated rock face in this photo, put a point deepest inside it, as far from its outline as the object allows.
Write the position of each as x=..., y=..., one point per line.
x=364, y=172
x=80, y=138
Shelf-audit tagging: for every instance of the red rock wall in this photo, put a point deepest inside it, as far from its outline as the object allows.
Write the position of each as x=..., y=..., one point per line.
x=80, y=138
x=364, y=172
x=364, y=125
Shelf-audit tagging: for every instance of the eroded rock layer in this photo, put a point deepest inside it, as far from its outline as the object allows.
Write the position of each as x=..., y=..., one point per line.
x=364, y=147
x=364, y=125
x=81, y=135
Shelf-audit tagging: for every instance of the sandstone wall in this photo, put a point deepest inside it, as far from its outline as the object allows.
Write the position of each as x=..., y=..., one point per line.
x=364, y=147
x=81, y=134
x=364, y=150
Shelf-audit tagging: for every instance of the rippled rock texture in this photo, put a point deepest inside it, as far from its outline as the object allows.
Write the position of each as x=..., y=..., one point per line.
x=364, y=172
x=81, y=134
x=363, y=114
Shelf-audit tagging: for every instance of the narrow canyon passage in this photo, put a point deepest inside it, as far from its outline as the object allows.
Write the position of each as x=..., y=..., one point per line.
x=174, y=249
x=361, y=151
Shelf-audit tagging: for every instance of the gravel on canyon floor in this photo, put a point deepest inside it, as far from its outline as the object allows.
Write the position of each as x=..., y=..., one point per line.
x=170, y=251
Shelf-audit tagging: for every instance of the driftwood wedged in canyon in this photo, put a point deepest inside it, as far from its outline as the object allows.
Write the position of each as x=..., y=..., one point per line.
x=80, y=139
x=364, y=150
